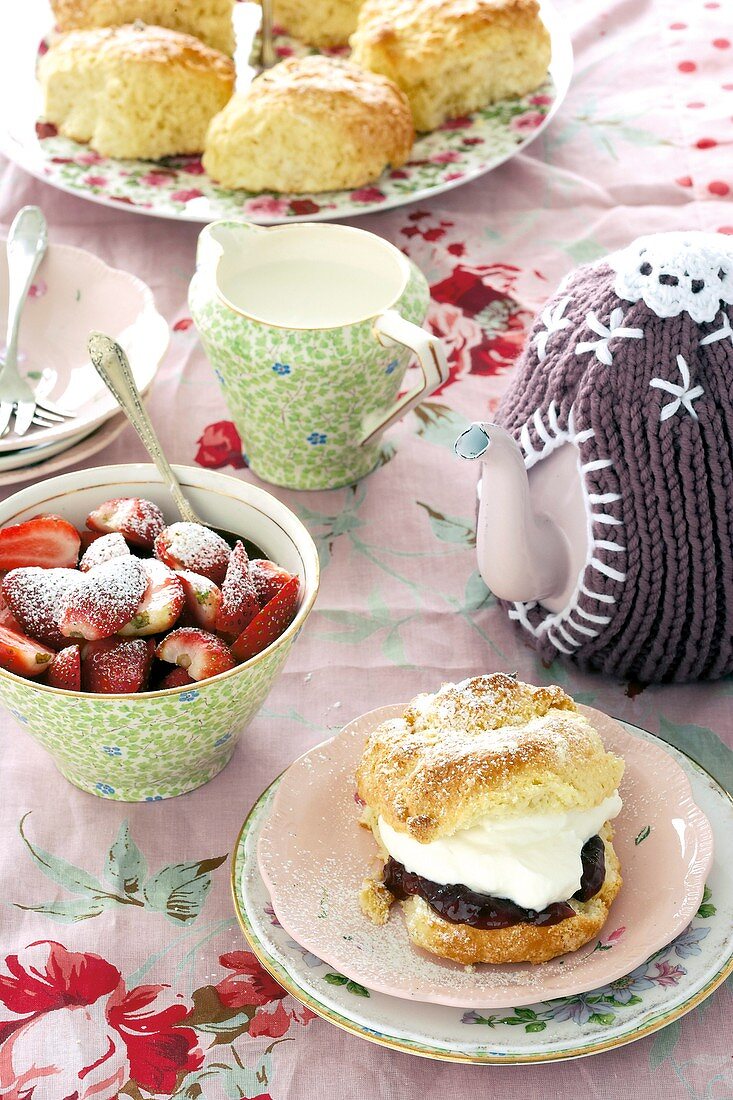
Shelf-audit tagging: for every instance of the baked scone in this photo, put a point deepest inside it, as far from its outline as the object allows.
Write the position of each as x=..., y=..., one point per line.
x=318, y=22
x=491, y=804
x=209, y=20
x=134, y=91
x=451, y=57
x=310, y=124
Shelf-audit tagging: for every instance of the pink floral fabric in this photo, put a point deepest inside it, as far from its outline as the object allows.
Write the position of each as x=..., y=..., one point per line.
x=109, y=988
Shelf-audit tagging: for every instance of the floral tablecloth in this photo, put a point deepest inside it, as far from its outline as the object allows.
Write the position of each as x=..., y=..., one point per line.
x=122, y=969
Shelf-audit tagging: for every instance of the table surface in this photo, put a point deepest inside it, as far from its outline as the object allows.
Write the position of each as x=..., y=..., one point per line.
x=89, y=1000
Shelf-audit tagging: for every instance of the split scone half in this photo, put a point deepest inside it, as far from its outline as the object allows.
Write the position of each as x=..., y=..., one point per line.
x=451, y=57
x=491, y=802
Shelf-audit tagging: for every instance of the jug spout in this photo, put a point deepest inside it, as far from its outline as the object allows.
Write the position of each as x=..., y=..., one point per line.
x=522, y=554
x=220, y=239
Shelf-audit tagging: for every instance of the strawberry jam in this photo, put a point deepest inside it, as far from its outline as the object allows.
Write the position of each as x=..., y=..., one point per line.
x=460, y=905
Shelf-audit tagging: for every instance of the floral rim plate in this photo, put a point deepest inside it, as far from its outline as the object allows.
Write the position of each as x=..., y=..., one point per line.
x=313, y=858
x=73, y=293
x=178, y=187
x=663, y=988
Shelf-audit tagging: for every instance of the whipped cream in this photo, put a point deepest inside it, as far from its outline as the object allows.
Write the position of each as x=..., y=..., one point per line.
x=532, y=859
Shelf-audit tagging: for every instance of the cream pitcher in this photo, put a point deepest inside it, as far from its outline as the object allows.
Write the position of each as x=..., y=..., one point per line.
x=310, y=328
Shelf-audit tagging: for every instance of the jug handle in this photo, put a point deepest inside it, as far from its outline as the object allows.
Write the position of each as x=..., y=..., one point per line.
x=391, y=329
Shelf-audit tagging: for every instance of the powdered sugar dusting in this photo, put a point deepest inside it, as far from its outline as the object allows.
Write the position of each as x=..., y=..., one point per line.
x=35, y=597
x=104, y=600
x=195, y=547
x=103, y=549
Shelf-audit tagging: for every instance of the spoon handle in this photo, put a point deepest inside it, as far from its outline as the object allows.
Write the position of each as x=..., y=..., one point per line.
x=267, y=50
x=113, y=367
x=26, y=247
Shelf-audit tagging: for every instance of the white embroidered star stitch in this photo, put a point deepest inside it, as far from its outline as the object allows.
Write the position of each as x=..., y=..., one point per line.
x=720, y=334
x=553, y=321
x=683, y=394
x=614, y=330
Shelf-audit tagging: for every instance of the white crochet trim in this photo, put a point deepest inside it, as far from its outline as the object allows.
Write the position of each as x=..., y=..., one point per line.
x=684, y=396
x=553, y=320
x=562, y=628
x=615, y=330
x=696, y=270
x=723, y=333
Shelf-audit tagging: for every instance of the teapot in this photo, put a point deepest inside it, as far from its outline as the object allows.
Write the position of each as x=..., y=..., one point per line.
x=605, y=519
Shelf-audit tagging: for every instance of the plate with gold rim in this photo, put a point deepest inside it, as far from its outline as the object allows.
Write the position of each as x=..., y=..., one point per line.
x=665, y=986
x=313, y=857
x=178, y=187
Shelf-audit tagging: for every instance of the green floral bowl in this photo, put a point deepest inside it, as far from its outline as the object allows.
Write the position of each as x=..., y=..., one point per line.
x=158, y=744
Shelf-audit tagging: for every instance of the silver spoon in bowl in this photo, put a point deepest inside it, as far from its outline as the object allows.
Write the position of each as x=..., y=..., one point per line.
x=113, y=368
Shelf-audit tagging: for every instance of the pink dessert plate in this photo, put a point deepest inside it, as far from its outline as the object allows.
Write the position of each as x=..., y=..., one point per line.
x=313, y=856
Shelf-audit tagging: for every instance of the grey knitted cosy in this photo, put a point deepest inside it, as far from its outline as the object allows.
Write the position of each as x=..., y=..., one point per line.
x=632, y=361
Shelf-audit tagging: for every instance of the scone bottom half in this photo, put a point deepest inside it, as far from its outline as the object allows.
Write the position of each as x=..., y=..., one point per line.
x=546, y=745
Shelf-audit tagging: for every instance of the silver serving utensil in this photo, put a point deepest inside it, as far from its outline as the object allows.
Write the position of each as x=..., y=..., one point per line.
x=267, y=50
x=26, y=247
x=113, y=367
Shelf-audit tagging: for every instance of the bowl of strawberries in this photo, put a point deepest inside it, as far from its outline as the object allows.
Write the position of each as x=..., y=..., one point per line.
x=134, y=646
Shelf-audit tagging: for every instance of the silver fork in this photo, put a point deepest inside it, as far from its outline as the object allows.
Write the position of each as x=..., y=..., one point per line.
x=26, y=247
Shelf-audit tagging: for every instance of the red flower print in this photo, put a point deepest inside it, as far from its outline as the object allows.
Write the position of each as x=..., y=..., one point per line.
x=89, y=158
x=45, y=130
x=477, y=316
x=301, y=207
x=449, y=157
x=58, y=1000
x=193, y=166
x=367, y=194
x=399, y=174
x=186, y=195
x=159, y=177
x=268, y=205
x=249, y=985
x=457, y=123
x=530, y=120
x=183, y=324
x=668, y=975
x=220, y=445
x=96, y=181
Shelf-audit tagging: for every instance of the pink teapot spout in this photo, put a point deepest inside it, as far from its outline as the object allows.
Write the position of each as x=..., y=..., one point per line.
x=523, y=554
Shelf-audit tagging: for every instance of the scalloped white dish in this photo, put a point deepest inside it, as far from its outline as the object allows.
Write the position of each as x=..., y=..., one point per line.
x=75, y=292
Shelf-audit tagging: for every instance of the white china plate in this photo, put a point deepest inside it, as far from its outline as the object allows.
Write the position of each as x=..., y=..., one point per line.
x=69, y=455
x=74, y=293
x=666, y=986
x=461, y=150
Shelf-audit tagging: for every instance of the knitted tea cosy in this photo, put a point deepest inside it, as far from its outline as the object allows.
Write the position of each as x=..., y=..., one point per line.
x=632, y=362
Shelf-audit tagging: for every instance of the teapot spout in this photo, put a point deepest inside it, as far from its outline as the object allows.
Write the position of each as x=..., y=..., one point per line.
x=522, y=554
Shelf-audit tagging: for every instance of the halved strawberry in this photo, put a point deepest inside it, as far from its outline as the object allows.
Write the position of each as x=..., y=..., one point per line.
x=195, y=547
x=203, y=600
x=200, y=653
x=274, y=617
x=116, y=665
x=47, y=541
x=65, y=670
x=7, y=618
x=87, y=538
x=22, y=655
x=104, y=548
x=268, y=578
x=239, y=603
x=104, y=600
x=161, y=604
x=139, y=520
x=35, y=597
x=177, y=677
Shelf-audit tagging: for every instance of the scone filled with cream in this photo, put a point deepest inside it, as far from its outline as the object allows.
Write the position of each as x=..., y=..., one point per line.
x=491, y=802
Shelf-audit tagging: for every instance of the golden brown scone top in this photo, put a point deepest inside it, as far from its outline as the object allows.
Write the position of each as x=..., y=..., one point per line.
x=323, y=83
x=492, y=745
x=418, y=28
x=142, y=43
